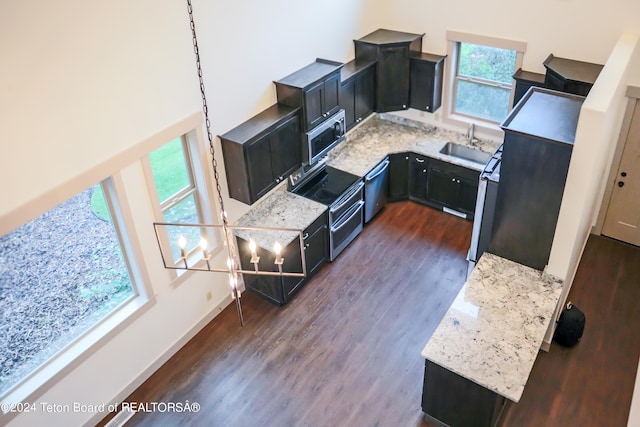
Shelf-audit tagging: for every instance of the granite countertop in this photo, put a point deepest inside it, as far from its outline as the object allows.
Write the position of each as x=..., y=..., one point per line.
x=493, y=331
x=281, y=209
x=365, y=147
x=385, y=134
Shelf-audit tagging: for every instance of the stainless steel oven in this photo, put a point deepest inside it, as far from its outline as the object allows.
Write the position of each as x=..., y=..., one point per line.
x=485, y=208
x=322, y=138
x=346, y=219
x=342, y=192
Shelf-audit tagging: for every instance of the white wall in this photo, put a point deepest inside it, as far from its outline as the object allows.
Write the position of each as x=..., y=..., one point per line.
x=580, y=29
x=596, y=140
x=82, y=82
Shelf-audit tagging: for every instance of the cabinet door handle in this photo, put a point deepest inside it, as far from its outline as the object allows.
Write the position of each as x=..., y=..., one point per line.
x=453, y=179
x=304, y=236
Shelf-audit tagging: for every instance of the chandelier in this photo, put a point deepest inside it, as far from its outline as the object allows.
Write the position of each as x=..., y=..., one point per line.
x=202, y=261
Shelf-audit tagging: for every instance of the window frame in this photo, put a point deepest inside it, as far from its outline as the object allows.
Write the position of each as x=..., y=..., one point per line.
x=84, y=345
x=454, y=39
x=196, y=158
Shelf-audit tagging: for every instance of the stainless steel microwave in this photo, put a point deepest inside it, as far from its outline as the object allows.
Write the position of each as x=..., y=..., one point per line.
x=324, y=137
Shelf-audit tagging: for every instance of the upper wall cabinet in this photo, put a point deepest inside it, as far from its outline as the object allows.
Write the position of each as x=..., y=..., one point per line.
x=314, y=89
x=427, y=73
x=571, y=76
x=357, y=91
x=261, y=152
x=524, y=81
x=392, y=50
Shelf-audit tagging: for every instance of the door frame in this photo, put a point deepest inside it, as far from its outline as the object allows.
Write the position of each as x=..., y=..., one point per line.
x=633, y=93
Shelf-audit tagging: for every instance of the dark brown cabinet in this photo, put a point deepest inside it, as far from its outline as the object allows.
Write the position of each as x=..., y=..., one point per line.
x=357, y=91
x=571, y=76
x=398, y=177
x=261, y=152
x=314, y=88
x=454, y=400
x=426, y=82
x=280, y=289
x=525, y=80
x=418, y=169
x=392, y=51
x=538, y=142
x=452, y=187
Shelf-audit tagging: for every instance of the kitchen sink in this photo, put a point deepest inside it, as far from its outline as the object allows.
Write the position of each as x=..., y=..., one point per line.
x=465, y=153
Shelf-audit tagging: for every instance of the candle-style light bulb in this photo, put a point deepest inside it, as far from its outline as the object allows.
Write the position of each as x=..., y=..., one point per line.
x=230, y=262
x=252, y=247
x=279, y=260
x=204, y=245
x=182, y=243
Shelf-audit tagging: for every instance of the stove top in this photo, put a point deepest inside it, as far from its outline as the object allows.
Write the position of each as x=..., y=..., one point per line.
x=326, y=185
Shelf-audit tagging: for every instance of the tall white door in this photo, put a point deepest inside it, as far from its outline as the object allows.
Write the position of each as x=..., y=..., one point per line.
x=622, y=220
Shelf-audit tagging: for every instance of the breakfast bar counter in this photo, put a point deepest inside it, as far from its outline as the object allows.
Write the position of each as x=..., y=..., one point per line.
x=484, y=348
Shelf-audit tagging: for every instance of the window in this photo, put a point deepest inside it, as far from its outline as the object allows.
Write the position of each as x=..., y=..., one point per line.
x=174, y=171
x=61, y=275
x=482, y=76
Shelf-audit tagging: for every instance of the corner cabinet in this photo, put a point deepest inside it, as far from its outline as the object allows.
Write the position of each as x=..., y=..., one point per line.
x=392, y=51
x=571, y=76
x=357, y=91
x=427, y=73
x=314, y=89
x=261, y=152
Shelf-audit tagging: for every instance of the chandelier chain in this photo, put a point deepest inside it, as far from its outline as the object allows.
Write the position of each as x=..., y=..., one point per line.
x=205, y=110
x=233, y=256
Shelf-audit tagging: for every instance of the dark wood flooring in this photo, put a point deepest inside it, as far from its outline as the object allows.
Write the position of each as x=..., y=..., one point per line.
x=590, y=384
x=346, y=350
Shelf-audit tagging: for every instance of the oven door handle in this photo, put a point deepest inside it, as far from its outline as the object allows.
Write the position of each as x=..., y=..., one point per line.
x=345, y=198
x=347, y=216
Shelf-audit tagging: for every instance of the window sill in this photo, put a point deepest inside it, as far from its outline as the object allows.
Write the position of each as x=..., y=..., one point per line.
x=483, y=128
x=36, y=384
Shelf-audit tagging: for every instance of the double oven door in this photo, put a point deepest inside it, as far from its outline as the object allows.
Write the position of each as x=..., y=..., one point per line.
x=346, y=218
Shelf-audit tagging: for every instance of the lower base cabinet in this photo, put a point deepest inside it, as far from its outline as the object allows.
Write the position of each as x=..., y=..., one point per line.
x=418, y=177
x=452, y=187
x=398, y=177
x=280, y=289
x=456, y=401
x=434, y=183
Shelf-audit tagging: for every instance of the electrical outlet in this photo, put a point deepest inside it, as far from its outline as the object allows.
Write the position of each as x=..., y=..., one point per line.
x=209, y=296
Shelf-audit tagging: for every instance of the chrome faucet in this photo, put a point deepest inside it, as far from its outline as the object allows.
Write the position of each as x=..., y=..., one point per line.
x=470, y=135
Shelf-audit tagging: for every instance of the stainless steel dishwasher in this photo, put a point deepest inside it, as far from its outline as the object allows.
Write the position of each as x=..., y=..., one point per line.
x=376, y=188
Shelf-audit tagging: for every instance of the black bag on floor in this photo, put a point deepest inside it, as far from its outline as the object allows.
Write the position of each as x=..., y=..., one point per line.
x=570, y=326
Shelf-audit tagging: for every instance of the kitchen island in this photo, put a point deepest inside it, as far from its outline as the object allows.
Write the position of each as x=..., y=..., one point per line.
x=484, y=348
